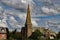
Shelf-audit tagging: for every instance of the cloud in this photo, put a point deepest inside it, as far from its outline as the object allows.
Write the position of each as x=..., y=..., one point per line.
x=53, y=23
x=9, y=18
x=34, y=23
x=46, y=10
x=49, y=10
x=17, y=19
x=23, y=1
x=17, y=4
x=48, y=7
x=14, y=3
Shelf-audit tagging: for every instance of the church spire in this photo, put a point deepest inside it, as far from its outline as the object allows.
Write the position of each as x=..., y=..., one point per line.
x=28, y=18
x=27, y=30
x=28, y=24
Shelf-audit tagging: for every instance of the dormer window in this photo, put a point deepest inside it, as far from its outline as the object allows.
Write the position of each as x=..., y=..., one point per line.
x=2, y=29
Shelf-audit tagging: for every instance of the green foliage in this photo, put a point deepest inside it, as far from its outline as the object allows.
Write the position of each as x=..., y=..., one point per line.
x=36, y=35
x=14, y=36
x=58, y=36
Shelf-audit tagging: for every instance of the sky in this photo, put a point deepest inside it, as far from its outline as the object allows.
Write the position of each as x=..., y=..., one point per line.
x=44, y=13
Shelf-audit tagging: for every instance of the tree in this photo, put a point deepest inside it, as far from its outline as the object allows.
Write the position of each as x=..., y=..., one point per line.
x=14, y=35
x=58, y=35
x=14, y=31
x=7, y=32
x=36, y=35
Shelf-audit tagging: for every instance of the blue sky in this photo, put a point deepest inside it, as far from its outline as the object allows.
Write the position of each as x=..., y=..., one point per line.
x=42, y=12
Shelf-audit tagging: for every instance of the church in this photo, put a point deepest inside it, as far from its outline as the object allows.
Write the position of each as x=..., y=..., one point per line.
x=27, y=30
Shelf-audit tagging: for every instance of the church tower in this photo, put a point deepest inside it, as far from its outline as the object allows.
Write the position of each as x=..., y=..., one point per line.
x=27, y=30
x=28, y=24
